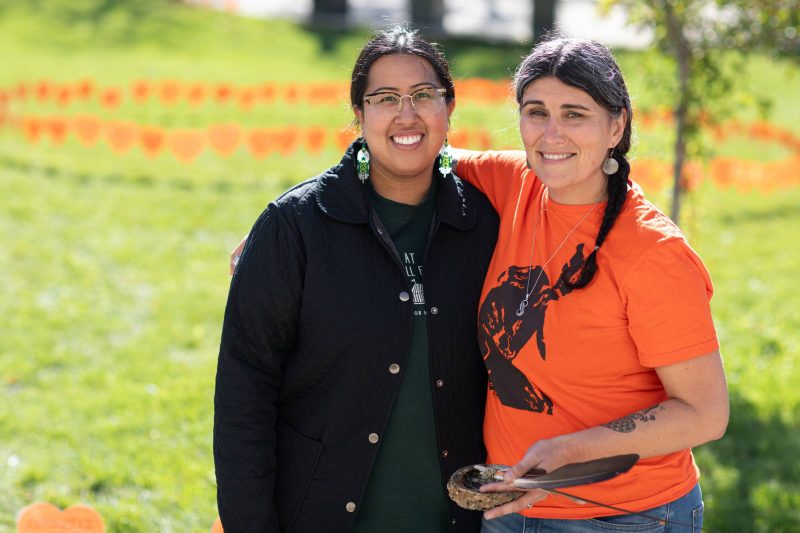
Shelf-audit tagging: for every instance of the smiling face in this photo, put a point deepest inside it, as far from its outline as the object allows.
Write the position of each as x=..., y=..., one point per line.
x=403, y=145
x=567, y=135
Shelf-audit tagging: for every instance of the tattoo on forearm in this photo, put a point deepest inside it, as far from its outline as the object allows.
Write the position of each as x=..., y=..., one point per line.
x=626, y=424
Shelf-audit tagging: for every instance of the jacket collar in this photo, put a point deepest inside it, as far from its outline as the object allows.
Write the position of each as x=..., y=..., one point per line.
x=341, y=195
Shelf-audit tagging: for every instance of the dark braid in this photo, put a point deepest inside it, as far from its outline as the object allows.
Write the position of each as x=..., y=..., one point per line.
x=589, y=66
x=617, y=189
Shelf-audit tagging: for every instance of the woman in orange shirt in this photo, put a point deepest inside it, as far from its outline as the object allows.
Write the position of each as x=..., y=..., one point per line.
x=594, y=321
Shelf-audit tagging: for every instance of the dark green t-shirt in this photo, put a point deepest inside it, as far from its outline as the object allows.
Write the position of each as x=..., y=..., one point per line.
x=405, y=492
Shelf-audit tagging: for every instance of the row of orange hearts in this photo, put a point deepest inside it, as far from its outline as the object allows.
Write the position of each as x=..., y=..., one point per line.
x=725, y=172
x=171, y=92
x=187, y=144
x=47, y=518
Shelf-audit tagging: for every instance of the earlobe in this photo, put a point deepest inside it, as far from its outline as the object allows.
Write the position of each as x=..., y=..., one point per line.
x=359, y=113
x=619, y=127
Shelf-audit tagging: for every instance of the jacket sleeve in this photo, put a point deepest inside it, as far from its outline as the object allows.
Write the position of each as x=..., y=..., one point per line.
x=258, y=333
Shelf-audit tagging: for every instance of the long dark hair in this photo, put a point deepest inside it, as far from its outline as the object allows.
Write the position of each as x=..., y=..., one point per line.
x=397, y=40
x=589, y=66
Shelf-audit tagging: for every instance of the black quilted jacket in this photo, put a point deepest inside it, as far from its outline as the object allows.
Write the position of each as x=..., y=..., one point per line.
x=317, y=322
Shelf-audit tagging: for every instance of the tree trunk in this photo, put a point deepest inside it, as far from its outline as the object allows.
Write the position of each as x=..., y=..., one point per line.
x=684, y=57
x=428, y=16
x=330, y=14
x=544, y=17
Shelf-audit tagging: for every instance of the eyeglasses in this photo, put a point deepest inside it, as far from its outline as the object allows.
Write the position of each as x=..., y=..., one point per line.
x=427, y=100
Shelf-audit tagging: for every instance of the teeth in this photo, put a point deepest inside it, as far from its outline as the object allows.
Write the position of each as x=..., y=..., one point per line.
x=408, y=139
x=556, y=156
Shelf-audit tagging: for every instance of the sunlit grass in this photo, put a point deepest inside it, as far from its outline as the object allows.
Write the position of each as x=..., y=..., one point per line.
x=115, y=274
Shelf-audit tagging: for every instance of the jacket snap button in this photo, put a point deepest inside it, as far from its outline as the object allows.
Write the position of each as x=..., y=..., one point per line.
x=452, y=521
x=394, y=368
x=351, y=507
x=373, y=438
x=440, y=383
x=444, y=453
x=404, y=296
x=434, y=310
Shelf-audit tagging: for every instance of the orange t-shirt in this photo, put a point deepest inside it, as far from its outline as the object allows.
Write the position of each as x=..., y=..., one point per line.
x=580, y=358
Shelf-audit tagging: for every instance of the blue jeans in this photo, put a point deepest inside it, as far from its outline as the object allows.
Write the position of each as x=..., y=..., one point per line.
x=684, y=515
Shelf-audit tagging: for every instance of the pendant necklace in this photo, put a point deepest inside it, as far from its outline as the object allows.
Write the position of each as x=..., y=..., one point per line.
x=528, y=290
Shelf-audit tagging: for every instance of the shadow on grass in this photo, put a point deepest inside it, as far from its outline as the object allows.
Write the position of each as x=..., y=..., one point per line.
x=763, y=214
x=752, y=476
x=139, y=179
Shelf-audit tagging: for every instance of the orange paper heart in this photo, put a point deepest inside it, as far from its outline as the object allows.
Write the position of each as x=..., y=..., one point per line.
x=85, y=88
x=43, y=90
x=57, y=128
x=121, y=136
x=216, y=527
x=47, y=518
x=141, y=91
x=286, y=140
x=64, y=96
x=186, y=144
x=32, y=128
x=169, y=92
x=260, y=142
x=224, y=138
x=111, y=97
x=152, y=140
x=87, y=129
x=196, y=94
x=247, y=98
x=315, y=139
x=223, y=93
x=344, y=138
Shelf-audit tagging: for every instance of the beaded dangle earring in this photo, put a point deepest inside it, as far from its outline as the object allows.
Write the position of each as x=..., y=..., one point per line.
x=445, y=159
x=610, y=165
x=363, y=163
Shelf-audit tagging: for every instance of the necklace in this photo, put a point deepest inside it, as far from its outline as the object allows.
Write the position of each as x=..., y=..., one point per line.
x=528, y=290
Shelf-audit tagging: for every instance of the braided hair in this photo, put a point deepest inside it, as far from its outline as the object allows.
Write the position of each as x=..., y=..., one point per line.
x=589, y=66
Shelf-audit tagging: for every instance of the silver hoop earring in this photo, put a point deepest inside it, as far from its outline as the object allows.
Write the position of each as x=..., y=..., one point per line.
x=610, y=165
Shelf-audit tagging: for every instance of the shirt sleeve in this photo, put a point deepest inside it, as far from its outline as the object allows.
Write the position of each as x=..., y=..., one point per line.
x=498, y=175
x=667, y=298
x=258, y=334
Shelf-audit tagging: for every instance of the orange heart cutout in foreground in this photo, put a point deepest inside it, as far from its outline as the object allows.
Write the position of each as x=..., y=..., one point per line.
x=224, y=138
x=186, y=144
x=216, y=527
x=47, y=518
x=87, y=129
x=121, y=136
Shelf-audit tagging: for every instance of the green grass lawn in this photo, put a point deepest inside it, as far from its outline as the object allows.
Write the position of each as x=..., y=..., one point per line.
x=115, y=271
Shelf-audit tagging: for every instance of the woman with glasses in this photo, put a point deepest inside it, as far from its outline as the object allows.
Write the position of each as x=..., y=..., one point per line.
x=349, y=384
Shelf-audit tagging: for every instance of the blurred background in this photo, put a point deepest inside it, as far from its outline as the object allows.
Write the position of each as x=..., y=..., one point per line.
x=140, y=139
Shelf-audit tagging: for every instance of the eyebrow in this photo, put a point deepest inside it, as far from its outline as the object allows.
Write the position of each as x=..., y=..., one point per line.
x=395, y=89
x=564, y=106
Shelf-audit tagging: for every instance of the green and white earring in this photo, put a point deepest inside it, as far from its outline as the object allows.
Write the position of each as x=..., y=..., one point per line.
x=445, y=159
x=363, y=163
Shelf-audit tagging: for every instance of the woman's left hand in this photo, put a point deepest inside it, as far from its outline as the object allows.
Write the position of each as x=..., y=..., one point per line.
x=545, y=455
